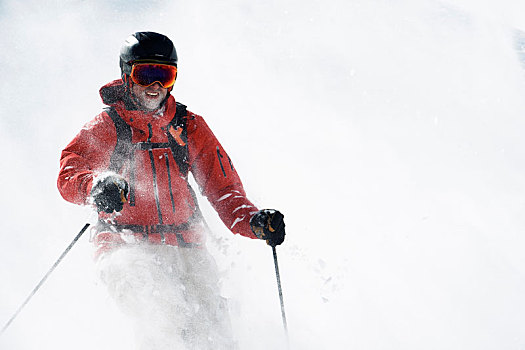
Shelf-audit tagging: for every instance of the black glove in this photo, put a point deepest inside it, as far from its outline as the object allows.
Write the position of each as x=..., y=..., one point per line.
x=110, y=193
x=268, y=224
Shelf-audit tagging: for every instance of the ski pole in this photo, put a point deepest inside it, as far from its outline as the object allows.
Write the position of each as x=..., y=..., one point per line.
x=278, y=276
x=45, y=277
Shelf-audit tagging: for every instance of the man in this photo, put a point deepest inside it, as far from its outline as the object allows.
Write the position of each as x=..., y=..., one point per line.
x=132, y=162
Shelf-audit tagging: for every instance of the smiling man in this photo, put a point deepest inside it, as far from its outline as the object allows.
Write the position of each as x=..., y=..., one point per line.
x=149, y=97
x=132, y=162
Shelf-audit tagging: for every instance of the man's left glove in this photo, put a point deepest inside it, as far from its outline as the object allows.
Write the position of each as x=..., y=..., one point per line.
x=268, y=224
x=109, y=193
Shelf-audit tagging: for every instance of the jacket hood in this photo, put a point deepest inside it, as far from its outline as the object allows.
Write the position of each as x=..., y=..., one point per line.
x=115, y=94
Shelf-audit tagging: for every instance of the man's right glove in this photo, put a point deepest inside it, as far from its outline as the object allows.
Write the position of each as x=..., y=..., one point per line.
x=109, y=193
x=268, y=224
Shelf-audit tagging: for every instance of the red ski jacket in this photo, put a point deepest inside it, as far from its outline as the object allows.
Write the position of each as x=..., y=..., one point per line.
x=162, y=196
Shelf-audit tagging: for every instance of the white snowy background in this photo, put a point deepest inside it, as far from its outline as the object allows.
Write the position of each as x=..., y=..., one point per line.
x=389, y=133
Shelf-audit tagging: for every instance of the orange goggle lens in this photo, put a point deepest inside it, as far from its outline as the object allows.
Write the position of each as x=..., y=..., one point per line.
x=146, y=74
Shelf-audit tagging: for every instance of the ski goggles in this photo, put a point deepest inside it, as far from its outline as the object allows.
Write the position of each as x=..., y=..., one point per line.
x=146, y=74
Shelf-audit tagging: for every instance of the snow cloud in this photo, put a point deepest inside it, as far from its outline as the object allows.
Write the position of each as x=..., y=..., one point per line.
x=388, y=133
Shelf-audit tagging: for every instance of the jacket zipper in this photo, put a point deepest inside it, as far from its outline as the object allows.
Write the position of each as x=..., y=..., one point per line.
x=169, y=181
x=154, y=172
x=219, y=155
x=132, y=179
x=155, y=185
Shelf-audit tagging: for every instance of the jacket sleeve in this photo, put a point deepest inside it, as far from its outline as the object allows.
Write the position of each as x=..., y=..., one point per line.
x=85, y=156
x=218, y=181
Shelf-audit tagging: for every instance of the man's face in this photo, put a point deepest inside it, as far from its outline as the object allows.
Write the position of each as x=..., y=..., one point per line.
x=149, y=98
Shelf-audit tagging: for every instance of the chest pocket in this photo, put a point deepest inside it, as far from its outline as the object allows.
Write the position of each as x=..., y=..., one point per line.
x=124, y=152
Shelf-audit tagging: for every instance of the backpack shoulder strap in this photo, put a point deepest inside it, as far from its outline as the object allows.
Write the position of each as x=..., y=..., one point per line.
x=181, y=114
x=178, y=138
x=122, y=151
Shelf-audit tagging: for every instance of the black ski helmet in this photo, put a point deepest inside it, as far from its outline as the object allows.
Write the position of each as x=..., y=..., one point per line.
x=146, y=47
